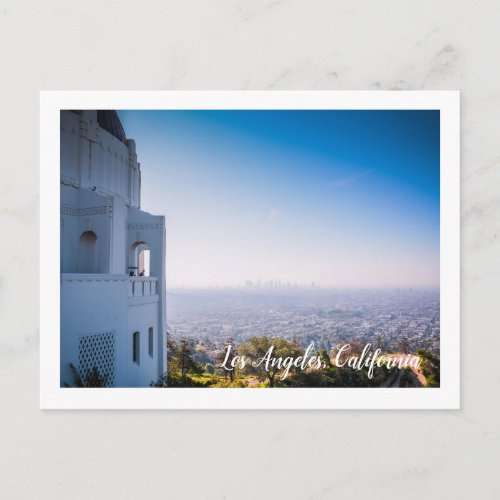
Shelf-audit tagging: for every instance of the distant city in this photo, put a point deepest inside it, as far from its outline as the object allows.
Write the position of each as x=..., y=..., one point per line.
x=277, y=284
x=393, y=320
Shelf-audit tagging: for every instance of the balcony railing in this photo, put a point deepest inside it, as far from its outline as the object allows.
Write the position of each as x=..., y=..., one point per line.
x=92, y=277
x=142, y=286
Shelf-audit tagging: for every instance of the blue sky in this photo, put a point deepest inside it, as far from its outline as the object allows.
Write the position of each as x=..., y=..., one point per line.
x=341, y=198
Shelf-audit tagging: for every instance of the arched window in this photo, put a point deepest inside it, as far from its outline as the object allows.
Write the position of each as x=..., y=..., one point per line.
x=136, y=347
x=143, y=260
x=87, y=258
x=139, y=259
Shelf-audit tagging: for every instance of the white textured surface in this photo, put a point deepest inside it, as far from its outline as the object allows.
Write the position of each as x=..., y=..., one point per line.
x=250, y=45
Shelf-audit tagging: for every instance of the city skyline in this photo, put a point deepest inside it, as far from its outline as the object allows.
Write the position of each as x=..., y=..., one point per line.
x=338, y=198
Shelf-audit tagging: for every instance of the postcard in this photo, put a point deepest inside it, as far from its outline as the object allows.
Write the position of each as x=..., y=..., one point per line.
x=250, y=250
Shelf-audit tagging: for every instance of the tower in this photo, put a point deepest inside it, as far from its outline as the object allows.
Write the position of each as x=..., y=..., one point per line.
x=112, y=257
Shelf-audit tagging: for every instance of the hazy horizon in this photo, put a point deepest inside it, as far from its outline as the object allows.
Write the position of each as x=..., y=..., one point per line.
x=318, y=288
x=344, y=199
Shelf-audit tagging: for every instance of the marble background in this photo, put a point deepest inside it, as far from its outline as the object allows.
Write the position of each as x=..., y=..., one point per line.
x=253, y=44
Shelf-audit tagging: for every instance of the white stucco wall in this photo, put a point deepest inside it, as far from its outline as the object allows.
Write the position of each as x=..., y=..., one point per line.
x=93, y=304
x=141, y=317
x=90, y=305
x=83, y=210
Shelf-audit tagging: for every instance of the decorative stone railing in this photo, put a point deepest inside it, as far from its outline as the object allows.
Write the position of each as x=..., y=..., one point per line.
x=92, y=278
x=142, y=286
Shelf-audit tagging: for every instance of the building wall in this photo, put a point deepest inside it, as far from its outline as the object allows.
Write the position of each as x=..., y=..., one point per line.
x=92, y=158
x=92, y=304
x=141, y=317
x=150, y=229
x=100, y=193
x=81, y=211
x=118, y=261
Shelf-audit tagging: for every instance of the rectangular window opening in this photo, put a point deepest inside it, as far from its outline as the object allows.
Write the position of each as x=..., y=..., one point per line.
x=151, y=343
x=136, y=347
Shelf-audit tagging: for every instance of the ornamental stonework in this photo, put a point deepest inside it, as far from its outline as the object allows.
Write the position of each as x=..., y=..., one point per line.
x=77, y=212
x=145, y=226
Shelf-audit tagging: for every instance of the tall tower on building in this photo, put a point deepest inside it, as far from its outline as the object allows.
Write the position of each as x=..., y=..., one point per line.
x=112, y=257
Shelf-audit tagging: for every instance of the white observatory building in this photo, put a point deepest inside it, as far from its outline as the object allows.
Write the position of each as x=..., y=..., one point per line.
x=112, y=257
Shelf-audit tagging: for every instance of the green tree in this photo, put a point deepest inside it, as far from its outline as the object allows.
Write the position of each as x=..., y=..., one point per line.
x=430, y=366
x=257, y=348
x=326, y=376
x=228, y=371
x=181, y=362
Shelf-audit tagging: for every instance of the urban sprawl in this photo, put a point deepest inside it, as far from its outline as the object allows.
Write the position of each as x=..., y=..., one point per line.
x=396, y=320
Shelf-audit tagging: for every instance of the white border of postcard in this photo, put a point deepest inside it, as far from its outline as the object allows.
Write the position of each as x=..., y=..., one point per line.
x=447, y=396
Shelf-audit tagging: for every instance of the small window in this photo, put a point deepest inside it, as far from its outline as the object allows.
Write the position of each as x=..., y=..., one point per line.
x=136, y=347
x=150, y=339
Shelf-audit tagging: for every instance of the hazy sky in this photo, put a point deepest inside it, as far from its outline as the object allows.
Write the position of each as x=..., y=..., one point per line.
x=341, y=198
